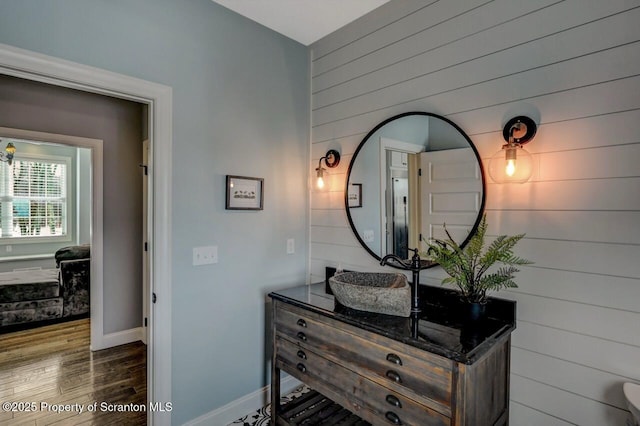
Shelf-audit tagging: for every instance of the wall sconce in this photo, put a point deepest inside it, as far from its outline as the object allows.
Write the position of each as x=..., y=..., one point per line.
x=513, y=163
x=7, y=155
x=331, y=160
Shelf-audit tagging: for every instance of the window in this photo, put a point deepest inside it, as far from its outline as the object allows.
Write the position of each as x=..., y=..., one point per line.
x=33, y=197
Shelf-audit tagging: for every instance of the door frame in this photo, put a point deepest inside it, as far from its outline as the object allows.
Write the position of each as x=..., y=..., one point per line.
x=96, y=226
x=47, y=69
x=146, y=240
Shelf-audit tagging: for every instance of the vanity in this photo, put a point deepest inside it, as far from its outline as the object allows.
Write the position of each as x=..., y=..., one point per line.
x=429, y=369
x=411, y=174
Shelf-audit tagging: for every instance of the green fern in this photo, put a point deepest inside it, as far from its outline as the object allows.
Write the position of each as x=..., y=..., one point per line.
x=467, y=267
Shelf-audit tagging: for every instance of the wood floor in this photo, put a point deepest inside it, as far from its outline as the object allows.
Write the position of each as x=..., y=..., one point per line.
x=51, y=368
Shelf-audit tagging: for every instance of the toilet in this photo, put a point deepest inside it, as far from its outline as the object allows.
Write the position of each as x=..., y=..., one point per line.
x=632, y=394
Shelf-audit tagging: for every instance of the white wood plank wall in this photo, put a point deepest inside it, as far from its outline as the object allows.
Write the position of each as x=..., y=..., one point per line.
x=574, y=66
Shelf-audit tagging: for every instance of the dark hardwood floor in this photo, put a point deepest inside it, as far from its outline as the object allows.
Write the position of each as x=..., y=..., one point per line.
x=51, y=369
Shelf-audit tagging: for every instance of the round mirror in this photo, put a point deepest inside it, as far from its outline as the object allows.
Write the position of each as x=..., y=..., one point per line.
x=411, y=175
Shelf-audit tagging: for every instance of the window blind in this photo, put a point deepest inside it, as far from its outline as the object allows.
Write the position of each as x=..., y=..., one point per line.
x=34, y=202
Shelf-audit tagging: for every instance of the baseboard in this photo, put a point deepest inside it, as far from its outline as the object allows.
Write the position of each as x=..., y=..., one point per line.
x=119, y=338
x=242, y=406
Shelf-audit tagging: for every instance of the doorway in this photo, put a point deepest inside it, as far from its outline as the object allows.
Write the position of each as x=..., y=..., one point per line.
x=37, y=67
x=109, y=128
x=395, y=204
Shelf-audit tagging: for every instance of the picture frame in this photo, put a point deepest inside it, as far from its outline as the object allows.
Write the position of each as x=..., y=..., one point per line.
x=354, y=195
x=244, y=193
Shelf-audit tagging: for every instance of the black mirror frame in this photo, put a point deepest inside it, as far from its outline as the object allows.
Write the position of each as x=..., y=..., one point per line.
x=366, y=139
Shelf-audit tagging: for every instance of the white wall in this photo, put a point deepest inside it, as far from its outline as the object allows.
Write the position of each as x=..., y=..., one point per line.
x=574, y=66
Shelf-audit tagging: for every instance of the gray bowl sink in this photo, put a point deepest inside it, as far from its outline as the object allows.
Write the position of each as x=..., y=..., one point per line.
x=379, y=292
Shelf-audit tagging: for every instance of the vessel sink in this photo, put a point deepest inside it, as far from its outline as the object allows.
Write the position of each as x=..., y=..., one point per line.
x=379, y=292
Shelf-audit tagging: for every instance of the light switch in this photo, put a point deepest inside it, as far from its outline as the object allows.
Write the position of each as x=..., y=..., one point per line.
x=205, y=255
x=291, y=246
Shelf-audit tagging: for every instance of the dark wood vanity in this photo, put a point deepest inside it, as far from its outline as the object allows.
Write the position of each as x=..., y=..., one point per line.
x=431, y=369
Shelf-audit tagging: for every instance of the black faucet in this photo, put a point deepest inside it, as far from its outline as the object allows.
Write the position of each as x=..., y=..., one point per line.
x=414, y=265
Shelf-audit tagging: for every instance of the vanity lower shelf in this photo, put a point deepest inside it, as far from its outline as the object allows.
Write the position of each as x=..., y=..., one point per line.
x=313, y=408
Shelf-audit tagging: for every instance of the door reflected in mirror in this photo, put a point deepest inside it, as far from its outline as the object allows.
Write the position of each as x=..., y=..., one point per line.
x=416, y=172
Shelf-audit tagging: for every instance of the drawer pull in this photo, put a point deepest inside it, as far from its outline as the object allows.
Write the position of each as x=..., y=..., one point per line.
x=302, y=323
x=394, y=359
x=301, y=368
x=302, y=355
x=394, y=376
x=393, y=400
x=302, y=336
x=393, y=418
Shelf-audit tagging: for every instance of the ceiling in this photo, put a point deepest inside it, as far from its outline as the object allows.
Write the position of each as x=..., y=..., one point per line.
x=305, y=21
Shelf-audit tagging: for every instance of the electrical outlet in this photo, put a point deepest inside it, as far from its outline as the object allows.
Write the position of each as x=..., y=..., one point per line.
x=367, y=236
x=205, y=255
x=291, y=246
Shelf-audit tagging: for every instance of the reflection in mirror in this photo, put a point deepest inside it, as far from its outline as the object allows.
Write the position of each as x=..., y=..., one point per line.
x=414, y=173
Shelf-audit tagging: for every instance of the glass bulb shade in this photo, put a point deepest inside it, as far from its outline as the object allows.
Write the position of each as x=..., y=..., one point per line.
x=512, y=164
x=322, y=178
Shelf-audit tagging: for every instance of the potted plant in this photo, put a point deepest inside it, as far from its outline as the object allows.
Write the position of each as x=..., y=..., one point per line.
x=469, y=268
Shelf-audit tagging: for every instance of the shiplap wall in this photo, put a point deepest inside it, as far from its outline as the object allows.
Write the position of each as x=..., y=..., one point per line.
x=574, y=66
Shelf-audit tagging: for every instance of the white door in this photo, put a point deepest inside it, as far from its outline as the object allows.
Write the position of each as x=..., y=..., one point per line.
x=451, y=193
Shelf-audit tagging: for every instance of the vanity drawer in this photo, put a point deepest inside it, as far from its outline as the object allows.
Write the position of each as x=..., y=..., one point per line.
x=370, y=400
x=423, y=377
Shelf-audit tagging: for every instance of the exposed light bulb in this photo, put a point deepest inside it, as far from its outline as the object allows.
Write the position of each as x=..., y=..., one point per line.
x=502, y=165
x=320, y=184
x=510, y=154
x=511, y=167
x=331, y=160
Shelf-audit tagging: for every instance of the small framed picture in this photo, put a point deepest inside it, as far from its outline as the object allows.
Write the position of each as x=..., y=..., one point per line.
x=355, y=195
x=244, y=193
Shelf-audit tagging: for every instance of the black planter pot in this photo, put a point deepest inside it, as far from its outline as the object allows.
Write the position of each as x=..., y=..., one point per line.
x=474, y=312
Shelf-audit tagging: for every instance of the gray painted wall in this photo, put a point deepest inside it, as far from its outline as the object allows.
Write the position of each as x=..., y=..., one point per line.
x=39, y=107
x=574, y=66
x=241, y=107
x=84, y=193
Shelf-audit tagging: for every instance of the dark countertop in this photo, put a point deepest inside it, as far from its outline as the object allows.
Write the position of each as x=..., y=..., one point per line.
x=439, y=328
